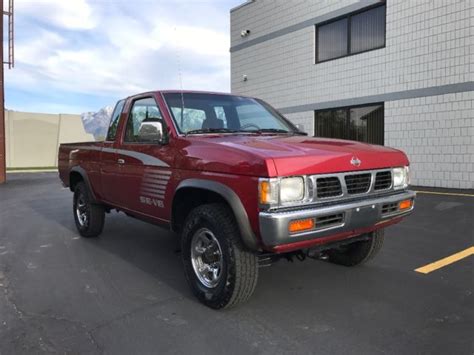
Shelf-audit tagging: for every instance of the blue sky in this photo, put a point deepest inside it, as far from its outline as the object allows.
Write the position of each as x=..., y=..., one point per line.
x=73, y=56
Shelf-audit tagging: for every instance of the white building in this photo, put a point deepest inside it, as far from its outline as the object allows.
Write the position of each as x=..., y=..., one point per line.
x=398, y=73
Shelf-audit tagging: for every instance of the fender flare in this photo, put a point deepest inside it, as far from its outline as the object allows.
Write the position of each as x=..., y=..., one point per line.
x=241, y=217
x=85, y=178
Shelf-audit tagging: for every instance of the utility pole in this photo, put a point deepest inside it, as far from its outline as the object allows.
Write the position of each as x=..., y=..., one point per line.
x=10, y=62
x=3, y=153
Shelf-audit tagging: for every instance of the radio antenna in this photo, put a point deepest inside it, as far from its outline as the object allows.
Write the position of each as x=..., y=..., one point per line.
x=180, y=81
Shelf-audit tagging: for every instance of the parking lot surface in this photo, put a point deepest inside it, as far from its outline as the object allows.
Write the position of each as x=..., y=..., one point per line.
x=125, y=292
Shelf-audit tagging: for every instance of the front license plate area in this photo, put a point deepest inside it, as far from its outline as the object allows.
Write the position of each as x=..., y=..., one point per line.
x=364, y=216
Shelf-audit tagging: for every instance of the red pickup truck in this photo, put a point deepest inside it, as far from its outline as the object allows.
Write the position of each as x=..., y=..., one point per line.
x=239, y=184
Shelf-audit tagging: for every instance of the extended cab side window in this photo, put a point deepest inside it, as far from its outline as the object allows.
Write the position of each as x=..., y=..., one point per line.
x=114, y=121
x=143, y=110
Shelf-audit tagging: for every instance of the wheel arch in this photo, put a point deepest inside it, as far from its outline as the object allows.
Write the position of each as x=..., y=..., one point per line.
x=78, y=174
x=212, y=191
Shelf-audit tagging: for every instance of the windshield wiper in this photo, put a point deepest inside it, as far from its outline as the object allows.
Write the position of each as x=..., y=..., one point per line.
x=299, y=133
x=278, y=130
x=254, y=131
x=211, y=130
x=273, y=130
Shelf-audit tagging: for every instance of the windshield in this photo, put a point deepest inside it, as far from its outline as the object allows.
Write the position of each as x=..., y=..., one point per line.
x=204, y=113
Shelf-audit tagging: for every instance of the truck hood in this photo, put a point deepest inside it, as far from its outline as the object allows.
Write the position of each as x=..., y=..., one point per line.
x=297, y=155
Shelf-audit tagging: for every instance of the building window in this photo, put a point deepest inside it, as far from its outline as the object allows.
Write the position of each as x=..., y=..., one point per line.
x=332, y=40
x=354, y=33
x=360, y=123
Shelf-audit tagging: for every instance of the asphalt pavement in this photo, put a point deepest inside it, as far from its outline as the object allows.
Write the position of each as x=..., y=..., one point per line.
x=125, y=292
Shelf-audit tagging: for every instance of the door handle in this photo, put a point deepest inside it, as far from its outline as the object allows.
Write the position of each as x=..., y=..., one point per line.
x=120, y=161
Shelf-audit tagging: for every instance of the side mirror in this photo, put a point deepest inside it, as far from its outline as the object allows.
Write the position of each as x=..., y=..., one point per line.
x=152, y=131
x=300, y=127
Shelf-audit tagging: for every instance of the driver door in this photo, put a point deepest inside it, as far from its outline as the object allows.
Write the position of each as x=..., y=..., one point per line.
x=145, y=161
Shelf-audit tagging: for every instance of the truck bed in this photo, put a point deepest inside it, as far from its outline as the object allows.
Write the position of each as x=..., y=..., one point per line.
x=71, y=154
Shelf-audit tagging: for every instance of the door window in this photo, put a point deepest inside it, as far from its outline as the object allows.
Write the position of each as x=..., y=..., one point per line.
x=143, y=110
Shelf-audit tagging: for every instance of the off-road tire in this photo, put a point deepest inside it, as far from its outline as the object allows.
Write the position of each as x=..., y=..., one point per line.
x=359, y=252
x=95, y=213
x=239, y=272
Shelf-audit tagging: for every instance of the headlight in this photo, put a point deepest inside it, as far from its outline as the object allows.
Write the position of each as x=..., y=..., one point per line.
x=291, y=189
x=401, y=177
x=279, y=191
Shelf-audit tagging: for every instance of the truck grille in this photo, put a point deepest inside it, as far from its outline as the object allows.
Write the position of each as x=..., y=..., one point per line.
x=357, y=184
x=383, y=180
x=331, y=220
x=328, y=187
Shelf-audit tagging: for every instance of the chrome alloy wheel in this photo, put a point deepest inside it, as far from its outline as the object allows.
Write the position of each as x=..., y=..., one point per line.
x=82, y=211
x=206, y=257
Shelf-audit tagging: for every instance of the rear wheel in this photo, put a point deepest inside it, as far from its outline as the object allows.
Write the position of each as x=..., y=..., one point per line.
x=89, y=217
x=220, y=270
x=359, y=252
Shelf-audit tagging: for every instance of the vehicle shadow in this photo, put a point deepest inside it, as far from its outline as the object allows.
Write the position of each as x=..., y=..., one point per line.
x=152, y=249
x=291, y=286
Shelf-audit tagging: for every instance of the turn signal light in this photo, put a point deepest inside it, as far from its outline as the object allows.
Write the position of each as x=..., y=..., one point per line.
x=264, y=192
x=301, y=225
x=405, y=204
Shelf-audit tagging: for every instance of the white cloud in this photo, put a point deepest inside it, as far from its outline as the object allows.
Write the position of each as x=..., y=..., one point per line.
x=104, y=48
x=36, y=45
x=69, y=14
x=194, y=39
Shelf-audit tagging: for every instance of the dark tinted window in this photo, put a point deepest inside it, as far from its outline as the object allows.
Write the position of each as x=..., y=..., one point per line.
x=114, y=121
x=331, y=124
x=363, y=123
x=368, y=30
x=332, y=40
x=351, y=34
x=143, y=109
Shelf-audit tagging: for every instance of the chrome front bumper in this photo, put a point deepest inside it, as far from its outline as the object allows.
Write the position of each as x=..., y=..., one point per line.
x=355, y=215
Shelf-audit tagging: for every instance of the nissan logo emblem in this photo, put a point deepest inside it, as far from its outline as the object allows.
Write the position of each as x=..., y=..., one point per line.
x=355, y=161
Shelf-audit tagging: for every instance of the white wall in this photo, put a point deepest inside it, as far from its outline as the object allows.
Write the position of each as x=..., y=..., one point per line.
x=32, y=139
x=437, y=133
x=429, y=45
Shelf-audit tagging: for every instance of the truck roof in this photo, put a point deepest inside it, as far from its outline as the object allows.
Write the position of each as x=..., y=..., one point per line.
x=175, y=91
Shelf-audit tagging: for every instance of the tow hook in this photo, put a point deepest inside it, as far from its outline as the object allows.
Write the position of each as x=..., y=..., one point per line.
x=317, y=254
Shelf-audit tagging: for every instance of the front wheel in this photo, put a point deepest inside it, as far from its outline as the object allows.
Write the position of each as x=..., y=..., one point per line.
x=89, y=217
x=359, y=252
x=220, y=270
